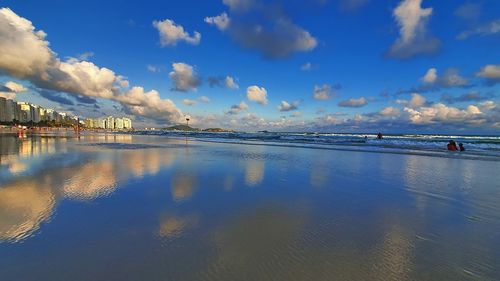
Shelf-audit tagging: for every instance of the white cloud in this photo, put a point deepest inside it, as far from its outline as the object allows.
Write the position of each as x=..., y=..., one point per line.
x=204, y=99
x=412, y=20
x=26, y=55
x=171, y=33
x=257, y=94
x=258, y=26
x=323, y=92
x=488, y=105
x=451, y=78
x=183, y=77
x=441, y=113
x=222, y=21
x=389, y=112
x=359, y=102
x=285, y=106
x=416, y=100
x=490, y=28
x=221, y=81
x=490, y=72
x=237, y=108
x=296, y=114
x=150, y=105
x=229, y=83
x=430, y=76
x=15, y=87
x=188, y=102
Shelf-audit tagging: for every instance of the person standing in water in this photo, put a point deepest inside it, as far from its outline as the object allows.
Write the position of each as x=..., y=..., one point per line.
x=379, y=136
x=452, y=146
x=461, y=145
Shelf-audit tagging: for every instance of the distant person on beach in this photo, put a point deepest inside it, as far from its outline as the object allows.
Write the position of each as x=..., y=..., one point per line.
x=461, y=145
x=452, y=146
x=379, y=136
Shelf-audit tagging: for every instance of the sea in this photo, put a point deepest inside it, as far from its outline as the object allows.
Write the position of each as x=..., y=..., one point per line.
x=485, y=147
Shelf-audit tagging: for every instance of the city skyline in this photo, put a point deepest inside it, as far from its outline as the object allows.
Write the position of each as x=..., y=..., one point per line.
x=16, y=112
x=401, y=66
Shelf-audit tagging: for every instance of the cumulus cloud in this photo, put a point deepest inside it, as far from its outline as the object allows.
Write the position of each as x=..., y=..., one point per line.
x=389, y=112
x=254, y=25
x=430, y=76
x=489, y=28
x=221, y=81
x=172, y=33
x=26, y=55
x=325, y=91
x=237, y=108
x=285, y=106
x=257, y=94
x=359, y=102
x=221, y=21
x=414, y=39
x=450, y=78
x=183, y=77
x=443, y=114
x=490, y=72
x=416, y=100
x=433, y=81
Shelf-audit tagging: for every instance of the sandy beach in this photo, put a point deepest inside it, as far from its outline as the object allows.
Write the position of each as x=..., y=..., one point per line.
x=124, y=207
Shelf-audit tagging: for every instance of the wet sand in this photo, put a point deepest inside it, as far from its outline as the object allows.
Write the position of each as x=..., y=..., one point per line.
x=122, y=207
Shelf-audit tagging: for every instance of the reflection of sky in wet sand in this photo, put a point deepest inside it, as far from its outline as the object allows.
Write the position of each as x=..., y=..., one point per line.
x=27, y=202
x=23, y=206
x=182, y=212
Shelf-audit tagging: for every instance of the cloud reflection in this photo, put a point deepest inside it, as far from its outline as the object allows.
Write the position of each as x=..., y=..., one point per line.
x=27, y=201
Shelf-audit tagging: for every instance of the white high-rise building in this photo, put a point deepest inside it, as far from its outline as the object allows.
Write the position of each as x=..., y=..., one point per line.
x=127, y=123
x=118, y=124
x=110, y=123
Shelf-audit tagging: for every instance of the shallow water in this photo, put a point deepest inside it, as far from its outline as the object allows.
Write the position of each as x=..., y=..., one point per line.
x=122, y=207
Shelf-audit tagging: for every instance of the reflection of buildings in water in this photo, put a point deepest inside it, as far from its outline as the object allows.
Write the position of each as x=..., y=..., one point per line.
x=125, y=138
x=24, y=205
x=172, y=226
x=254, y=173
x=183, y=186
x=15, y=152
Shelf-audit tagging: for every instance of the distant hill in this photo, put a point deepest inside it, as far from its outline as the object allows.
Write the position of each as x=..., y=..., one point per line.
x=217, y=130
x=181, y=128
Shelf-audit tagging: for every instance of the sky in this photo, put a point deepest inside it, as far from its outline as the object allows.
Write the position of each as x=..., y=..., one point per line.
x=397, y=66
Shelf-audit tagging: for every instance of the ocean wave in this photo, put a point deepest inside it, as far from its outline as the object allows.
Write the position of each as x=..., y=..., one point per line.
x=480, y=145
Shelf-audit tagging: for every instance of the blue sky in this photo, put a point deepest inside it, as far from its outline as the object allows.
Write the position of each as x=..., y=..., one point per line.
x=366, y=58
